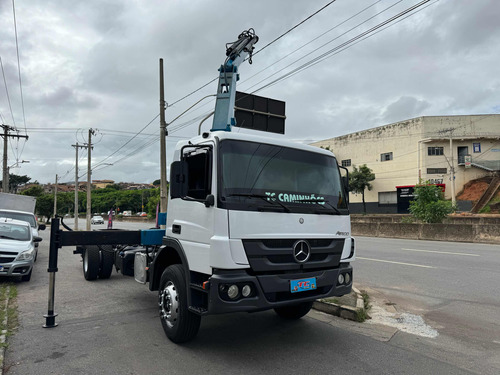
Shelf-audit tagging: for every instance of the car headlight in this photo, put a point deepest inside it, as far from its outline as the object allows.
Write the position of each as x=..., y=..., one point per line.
x=26, y=255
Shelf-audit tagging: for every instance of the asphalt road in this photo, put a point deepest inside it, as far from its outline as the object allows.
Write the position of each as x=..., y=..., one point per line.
x=112, y=327
x=453, y=285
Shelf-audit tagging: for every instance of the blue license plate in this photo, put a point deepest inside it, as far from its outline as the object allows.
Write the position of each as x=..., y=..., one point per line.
x=302, y=285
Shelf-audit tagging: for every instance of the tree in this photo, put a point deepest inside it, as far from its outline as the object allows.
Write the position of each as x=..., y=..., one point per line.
x=156, y=182
x=359, y=181
x=429, y=205
x=34, y=191
x=45, y=205
x=15, y=181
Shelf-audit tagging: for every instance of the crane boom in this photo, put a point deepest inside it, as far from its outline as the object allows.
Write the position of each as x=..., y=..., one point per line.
x=236, y=53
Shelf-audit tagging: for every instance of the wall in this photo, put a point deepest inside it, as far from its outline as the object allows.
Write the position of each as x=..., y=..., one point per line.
x=456, y=229
x=376, y=208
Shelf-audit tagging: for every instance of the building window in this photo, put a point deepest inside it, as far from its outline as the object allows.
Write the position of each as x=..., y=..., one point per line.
x=346, y=163
x=385, y=157
x=435, y=151
x=387, y=197
x=476, y=147
x=436, y=170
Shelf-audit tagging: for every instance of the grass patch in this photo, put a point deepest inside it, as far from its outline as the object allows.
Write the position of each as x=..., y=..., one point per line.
x=362, y=313
x=8, y=309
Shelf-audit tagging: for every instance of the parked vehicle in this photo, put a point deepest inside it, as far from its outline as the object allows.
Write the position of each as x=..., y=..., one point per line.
x=127, y=213
x=18, y=251
x=27, y=217
x=97, y=220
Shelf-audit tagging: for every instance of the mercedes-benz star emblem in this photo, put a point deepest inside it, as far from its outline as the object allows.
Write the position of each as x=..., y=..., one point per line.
x=301, y=251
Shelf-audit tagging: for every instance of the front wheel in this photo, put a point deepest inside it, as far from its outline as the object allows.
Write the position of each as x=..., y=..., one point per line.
x=294, y=311
x=180, y=324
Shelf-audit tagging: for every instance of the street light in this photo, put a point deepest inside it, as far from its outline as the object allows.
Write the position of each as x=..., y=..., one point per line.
x=15, y=165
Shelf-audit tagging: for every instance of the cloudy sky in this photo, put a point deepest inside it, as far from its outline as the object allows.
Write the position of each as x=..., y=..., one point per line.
x=94, y=64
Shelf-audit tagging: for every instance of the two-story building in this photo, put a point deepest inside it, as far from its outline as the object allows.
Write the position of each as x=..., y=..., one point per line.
x=447, y=150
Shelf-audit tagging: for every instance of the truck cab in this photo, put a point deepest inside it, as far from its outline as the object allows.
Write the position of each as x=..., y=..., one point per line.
x=257, y=223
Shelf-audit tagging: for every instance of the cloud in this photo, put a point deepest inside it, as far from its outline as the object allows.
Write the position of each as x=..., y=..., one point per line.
x=94, y=64
x=403, y=108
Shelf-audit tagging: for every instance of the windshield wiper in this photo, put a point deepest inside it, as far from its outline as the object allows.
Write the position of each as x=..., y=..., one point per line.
x=264, y=197
x=319, y=201
x=8, y=238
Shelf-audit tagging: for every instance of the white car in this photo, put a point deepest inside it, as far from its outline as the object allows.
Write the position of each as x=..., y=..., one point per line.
x=24, y=216
x=17, y=248
x=97, y=220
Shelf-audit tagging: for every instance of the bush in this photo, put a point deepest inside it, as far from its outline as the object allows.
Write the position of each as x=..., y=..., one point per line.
x=429, y=205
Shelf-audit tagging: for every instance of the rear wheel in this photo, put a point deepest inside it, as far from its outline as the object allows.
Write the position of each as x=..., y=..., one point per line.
x=107, y=261
x=294, y=311
x=91, y=263
x=180, y=324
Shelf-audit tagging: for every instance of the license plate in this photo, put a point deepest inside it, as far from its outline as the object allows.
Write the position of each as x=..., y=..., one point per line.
x=302, y=285
x=1, y=268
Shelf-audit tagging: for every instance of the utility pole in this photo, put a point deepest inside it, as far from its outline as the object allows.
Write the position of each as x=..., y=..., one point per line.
x=163, y=146
x=55, y=198
x=76, y=146
x=6, y=135
x=452, y=170
x=89, y=178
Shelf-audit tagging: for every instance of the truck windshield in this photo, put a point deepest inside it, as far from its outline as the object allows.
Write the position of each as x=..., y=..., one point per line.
x=260, y=177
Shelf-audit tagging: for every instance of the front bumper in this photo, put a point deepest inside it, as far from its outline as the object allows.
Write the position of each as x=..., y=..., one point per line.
x=271, y=291
x=16, y=268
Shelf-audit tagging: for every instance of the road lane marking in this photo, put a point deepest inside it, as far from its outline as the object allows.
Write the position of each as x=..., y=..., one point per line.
x=401, y=263
x=442, y=252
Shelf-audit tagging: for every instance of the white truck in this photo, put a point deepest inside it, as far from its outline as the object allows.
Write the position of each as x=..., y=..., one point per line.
x=254, y=223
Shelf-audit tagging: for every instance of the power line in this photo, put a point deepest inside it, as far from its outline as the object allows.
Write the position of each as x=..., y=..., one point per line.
x=126, y=143
x=340, y=47
x=293, y=28
x=267, y=45
x=313, y=40
x=7, y=92
x=189, y=122
x=18, y=62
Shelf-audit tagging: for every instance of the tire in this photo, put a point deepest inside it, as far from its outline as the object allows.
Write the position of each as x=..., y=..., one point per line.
x=294, y=311
x=180, y=324
x=91, y=263
x=107, y=256
x=27, y=277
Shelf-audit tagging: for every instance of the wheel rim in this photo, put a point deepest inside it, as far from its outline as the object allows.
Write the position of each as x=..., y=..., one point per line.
x=169, y=304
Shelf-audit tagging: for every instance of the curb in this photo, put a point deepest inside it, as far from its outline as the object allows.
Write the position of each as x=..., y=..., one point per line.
x=343, y=311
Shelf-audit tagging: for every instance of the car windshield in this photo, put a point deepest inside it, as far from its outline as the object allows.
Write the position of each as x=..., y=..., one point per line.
x=256, y=176
x=14, y=232
x=30, y=218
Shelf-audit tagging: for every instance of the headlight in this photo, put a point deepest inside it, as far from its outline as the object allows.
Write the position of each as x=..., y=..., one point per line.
x=26, y=255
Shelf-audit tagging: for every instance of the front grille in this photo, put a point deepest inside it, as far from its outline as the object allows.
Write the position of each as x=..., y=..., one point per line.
x=5, y=259
x=274, y=256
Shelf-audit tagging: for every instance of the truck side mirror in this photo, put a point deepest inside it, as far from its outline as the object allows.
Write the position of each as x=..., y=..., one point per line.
x=178, y=179
x=345, y=182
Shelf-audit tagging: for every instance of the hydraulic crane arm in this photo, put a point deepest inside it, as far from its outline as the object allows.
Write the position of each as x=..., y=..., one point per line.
x=236, y=53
